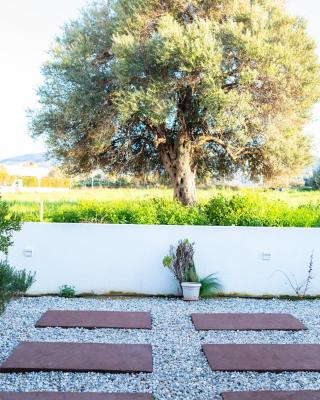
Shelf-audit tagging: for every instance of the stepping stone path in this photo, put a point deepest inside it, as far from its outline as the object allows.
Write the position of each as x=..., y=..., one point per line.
x=79, y=357
x=96, y=357
x=256, y=322
x=74, y=396
x=301, y=395
x=95, y=319
x=263, y=357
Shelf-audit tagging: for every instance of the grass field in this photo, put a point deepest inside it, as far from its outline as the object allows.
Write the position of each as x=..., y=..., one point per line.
x=292, y=197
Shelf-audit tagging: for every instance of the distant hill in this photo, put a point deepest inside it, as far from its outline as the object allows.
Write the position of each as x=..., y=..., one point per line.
x=37, y=158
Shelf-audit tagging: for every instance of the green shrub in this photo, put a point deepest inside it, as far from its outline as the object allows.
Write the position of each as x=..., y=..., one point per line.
x=13, y=283
x=258, y=210
x=23, y=281
x=67, y=291
x=5, y=178
x=29, y=181
x=210, y=285
x=55, y=182
x=241, y=209
x=9, y=223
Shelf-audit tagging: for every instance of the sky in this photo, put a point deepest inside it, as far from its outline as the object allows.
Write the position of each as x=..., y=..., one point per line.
x=27, y=27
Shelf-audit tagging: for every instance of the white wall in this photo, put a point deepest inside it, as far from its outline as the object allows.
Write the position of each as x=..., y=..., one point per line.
x=128, y=258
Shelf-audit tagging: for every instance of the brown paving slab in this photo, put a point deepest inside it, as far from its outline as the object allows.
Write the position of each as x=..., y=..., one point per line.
x=265, y=395
x=95, y=319
x=263, y=357
x=246, y=321
x=79, y=357
x=74, y=396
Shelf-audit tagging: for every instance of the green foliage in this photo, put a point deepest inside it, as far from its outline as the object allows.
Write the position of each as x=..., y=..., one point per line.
x=167, y=261
x=55, y=182
x=67, y=291
x=12, y=283
x=5, y=178
x=23, y=280
x=314, y=181
x=243, y=209
x=210, y=285
x=217, y=86
x=30, y=181
x=9, y=223
x=257, y=210
x=192, y=275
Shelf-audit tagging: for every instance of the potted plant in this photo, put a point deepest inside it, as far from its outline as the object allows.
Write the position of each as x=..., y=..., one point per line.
x=191, y=289
x=181, y=264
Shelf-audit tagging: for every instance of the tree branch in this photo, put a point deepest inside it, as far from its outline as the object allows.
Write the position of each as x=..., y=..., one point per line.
x=233, y=153
x=229, y=86
x=209, y=139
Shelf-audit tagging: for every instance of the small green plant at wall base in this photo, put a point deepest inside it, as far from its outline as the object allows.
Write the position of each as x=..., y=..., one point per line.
x=24, y=280
x=301, y=288
x=13, y=283
x=210, y=285
x=67, y=291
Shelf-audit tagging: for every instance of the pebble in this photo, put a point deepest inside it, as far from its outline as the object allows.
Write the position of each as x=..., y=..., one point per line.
x=181, y=371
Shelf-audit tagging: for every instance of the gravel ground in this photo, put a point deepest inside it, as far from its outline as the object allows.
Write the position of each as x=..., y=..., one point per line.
x=180, y=368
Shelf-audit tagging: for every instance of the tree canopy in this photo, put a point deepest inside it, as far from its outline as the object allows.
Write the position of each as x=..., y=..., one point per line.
x=185, y=88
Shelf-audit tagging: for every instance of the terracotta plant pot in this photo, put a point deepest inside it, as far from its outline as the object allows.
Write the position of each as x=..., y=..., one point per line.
x=190, y=290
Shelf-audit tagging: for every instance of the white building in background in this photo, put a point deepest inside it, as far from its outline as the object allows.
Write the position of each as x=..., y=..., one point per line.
x=27, y=170
x=29, y=165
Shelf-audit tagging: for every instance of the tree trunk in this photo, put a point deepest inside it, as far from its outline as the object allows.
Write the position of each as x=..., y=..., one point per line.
x=185, y=187
x=177, y=161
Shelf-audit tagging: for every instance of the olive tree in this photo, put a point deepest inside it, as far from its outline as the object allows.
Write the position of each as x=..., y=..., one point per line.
x=186, y=88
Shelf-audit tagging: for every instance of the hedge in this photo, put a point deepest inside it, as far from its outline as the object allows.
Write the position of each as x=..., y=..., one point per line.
x=32, y=181
x=239, y=210
x=55, y=182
